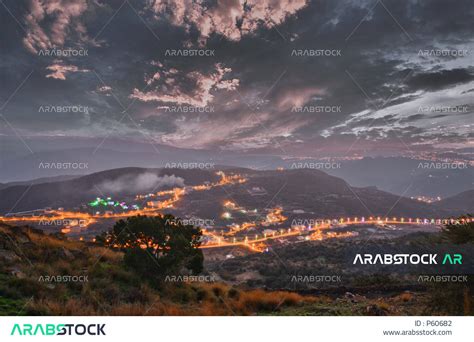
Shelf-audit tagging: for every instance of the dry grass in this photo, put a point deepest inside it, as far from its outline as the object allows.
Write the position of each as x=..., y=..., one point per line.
x=46, y=241
x=105, y=254
x=216, y=303
x=112, y=289
x=405, y=297
x=259, y=300
x=221, y=299
x=383, y=305
x=71, y=307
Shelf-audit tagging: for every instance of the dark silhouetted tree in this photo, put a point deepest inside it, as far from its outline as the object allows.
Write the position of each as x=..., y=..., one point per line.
x=156, y=246
x=459, y=233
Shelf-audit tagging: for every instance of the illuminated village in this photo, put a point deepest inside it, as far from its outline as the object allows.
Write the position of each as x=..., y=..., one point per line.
x=253, y=231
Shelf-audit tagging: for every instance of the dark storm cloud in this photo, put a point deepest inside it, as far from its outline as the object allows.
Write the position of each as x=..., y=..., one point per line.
x=412, y=118
x=440, y=79
x=259, y=92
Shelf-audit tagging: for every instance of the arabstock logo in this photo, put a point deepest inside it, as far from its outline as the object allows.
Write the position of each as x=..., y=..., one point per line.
x=405, y=259
x=57, y=329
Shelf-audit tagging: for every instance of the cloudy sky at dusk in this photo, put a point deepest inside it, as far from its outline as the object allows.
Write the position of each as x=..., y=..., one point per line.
x=289, y=77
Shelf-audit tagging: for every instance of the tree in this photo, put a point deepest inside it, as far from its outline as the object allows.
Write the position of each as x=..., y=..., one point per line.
x=460, y=232
x=156, y=246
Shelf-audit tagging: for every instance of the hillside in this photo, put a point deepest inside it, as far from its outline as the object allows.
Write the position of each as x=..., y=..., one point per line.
x=311, y=191
x=405, y=176
x=38, y=181
x=462, y=201
x=71, y=193
x=95, y=281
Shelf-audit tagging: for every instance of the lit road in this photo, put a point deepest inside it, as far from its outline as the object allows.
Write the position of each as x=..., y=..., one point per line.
x=257, y=241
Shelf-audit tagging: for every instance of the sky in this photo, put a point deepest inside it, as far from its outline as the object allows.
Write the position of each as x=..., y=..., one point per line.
x=293, y=78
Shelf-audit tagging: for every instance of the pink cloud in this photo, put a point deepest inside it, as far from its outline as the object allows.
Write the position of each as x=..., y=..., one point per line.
x=150, y=79
x=59, y=70
x=49, y=22
x=198, y=95
x=104, y=89
x=224, y=17
x=298, y=97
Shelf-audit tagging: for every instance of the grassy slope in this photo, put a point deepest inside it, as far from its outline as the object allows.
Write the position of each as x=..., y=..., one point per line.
x=112, y=289
x=27, y=254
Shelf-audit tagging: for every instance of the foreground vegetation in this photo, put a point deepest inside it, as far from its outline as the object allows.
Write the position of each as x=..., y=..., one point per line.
x=107, y=286
x=112, y=280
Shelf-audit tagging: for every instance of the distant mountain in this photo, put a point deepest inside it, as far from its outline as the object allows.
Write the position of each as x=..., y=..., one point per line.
x=310, y=191
x=117, y=182
x=397, y=175
x=403, y=176
x=463, y=201
x=39, y=181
